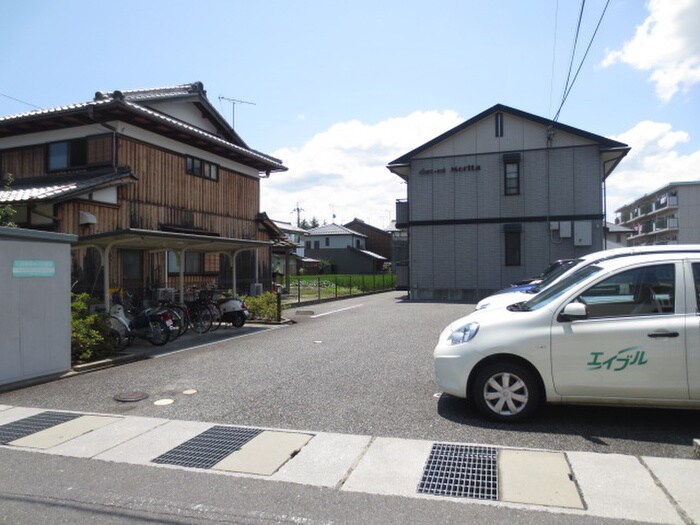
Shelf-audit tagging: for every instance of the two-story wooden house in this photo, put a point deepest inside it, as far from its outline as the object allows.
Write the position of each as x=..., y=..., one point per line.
x=497, y=198
x=156, y=184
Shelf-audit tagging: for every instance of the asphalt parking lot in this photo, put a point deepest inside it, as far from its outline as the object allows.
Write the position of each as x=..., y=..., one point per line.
x=357, y=366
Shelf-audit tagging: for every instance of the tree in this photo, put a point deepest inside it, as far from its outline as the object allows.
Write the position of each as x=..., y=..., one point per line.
x=7, y=212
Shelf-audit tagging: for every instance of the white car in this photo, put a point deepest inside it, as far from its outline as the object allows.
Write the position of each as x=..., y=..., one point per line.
x=622, y=331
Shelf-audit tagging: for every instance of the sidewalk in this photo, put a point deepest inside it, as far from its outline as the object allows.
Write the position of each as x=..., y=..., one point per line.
x=649, y=489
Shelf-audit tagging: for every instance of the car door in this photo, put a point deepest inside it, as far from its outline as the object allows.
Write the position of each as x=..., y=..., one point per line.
x=632, y=343
x=693, y=330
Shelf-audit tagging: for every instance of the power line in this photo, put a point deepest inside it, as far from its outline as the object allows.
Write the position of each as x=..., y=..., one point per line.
x=20, y=101
x=554, y=55
x=567, y=89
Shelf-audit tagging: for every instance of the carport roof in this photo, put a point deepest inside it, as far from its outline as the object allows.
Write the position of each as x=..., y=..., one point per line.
x=154, y=240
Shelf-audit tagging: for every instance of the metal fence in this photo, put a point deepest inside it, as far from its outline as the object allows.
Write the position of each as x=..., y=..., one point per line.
x=308, y=288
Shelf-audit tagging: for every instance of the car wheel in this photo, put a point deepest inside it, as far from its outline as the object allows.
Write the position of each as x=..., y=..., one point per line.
x=506, y=391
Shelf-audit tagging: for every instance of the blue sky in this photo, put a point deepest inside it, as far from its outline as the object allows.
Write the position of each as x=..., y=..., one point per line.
x=341, y=88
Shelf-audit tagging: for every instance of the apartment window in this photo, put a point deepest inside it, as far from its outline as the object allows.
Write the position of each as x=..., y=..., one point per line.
x=511, y=174
x=200, y=168
x=67, y=154
x=512, y=244
x=499, y=124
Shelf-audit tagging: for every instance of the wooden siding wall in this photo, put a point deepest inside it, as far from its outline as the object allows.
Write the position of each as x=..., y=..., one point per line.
x=31, y=161
x=24, y=162
x=166, y=194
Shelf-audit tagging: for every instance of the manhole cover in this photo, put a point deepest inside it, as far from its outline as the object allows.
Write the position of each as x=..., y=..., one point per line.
x=131, y=397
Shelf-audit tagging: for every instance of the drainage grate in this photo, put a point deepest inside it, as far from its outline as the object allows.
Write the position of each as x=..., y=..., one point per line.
x=209, y=447
x=32, y=424
x=461, y=470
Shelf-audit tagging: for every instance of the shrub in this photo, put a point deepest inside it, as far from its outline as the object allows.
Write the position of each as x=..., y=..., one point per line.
x=263, y=306
x=89, y=331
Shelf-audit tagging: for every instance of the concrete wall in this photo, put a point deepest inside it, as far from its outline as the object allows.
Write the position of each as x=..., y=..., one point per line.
x=35, y=284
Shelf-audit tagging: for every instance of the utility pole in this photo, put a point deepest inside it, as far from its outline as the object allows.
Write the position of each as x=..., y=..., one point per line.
x=233, y=102
x=298, y=210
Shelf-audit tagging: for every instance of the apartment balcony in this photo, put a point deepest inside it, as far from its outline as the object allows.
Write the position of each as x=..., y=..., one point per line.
x=662, y=203
x=654, y=228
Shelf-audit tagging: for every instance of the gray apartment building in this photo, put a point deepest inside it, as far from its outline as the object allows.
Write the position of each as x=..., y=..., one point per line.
x=498, y=198
x=669, y=215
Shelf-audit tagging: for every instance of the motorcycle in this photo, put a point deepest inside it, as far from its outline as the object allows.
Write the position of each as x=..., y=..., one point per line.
x=233, y=310
x=153, y=325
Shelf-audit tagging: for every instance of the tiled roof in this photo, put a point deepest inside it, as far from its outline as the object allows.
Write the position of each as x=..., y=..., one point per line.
x=133, y=100
x=192, y=129
x=333, y=229
x=56, y=188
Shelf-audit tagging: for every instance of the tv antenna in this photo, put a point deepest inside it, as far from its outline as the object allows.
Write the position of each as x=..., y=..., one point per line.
x=233, y=102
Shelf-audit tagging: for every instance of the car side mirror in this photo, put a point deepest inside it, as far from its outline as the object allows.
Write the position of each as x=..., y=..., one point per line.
x=573, y=311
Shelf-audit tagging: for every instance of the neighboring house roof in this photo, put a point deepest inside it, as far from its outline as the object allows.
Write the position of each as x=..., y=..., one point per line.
x=363, y=224
x=333, y=229
x=133, y=106
x=370, y=254
x=289, y=227
x=604, y=142
x=56, y=189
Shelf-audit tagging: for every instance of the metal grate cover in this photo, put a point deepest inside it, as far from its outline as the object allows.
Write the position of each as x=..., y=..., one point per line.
x=461, y=470
x=209, y=447
x=32, y=424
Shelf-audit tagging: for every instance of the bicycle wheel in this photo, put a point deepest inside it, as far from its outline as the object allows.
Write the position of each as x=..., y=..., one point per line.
x=216, y=316
x=178, y=327
x=158, y=333
x=201, y=319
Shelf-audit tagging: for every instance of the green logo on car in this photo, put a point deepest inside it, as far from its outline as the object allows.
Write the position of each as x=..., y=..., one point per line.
x=626, y=357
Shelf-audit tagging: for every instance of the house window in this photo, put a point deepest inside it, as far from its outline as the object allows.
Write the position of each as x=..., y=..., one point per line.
x=211, y=171
x=200, y=168
x=67, y=154
x=511, y=174
x=194, y=263
x=308, y=245
x=328, y=241
x=512, y=244
x=357, y=244
x=317, y=245
x=499, y=124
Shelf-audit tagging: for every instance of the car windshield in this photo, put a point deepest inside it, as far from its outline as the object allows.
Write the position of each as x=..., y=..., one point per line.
x=553, y=275
x=560, y=288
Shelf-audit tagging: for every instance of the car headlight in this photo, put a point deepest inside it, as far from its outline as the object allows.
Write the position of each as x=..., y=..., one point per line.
x=463, y=334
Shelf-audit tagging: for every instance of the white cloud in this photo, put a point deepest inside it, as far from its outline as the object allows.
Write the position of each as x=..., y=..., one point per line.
x=651, y=164
x=343, y=169
x=667, y=44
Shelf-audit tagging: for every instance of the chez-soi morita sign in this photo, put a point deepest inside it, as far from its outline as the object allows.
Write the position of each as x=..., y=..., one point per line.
x=453, y=169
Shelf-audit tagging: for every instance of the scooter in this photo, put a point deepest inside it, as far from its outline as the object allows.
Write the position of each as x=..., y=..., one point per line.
x=233, y=310
x=152, y=325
